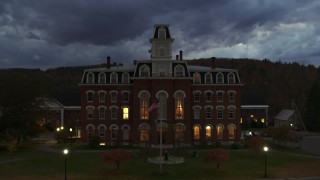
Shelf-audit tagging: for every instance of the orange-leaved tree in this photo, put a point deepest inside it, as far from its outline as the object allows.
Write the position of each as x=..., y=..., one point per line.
x=117, y=156
x=256, y=143
x=217, y=155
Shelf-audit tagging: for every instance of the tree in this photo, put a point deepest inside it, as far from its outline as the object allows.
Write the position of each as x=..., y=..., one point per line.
x=312, y=113
x=255, y=143
x=21, y=96
x=117, y=156
x=217, y=155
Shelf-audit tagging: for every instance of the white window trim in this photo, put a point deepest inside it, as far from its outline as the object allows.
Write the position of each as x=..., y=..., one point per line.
x=99, y=78
x=205, y=78
x=117, y=79
x=125, y=73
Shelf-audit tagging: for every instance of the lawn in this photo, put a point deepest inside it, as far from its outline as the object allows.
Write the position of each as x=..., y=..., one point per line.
x=32, y=163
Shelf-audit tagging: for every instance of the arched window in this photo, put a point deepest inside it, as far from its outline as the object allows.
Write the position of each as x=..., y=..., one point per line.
x=196, y=78
x=125, y=113
x=144, y=132
x=220, y=112
x=208, y=132
x=125, y=130
x=231, y=130
x=179, y=132
x=90, y=78
x=90, y=130
x=144, y=71
x=220, y=94
x=102, y=78
x=102, y=130
x=102, y=112
x=179, y=71
x=232, y=112
x=90, y=96
x=162, y=110
x=196, y=132
x=208, y=95
x=113, y=78
x=219, y=78
x=208, y=112
x=102, y=96
x=208, y=78
x=114, y=132
x=125, y=78
x=144, y=104
x=220, y=131
x=196, y=112
x=179, y=104
x=231, y=78
x=232, y=96
x=90, y=111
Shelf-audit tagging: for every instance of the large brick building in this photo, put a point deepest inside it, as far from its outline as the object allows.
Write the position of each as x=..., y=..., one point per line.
x=197, y=104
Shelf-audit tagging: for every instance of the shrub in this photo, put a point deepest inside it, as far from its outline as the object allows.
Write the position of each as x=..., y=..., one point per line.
x=94, y=142
x=235, y=146
x=256, y=143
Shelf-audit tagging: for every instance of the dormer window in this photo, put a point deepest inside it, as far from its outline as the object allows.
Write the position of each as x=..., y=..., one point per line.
x=144, y=71
x=231, y=79
x=113, y=78
x=125, y=78
x=196, y=78
x=208, y=78
x=102, y=78
x=90, y=78
x=220, y=79
x=162, y=33
x=179, y=71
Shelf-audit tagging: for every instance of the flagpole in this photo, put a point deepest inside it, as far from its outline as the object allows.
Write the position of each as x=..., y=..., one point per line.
x=160, y=139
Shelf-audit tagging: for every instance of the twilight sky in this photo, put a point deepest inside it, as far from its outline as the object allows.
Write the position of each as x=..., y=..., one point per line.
x=53, y=33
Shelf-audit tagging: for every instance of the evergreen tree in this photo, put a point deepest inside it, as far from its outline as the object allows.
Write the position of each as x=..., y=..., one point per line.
x=312, y=112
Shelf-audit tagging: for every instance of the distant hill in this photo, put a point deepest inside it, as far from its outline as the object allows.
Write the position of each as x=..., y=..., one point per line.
x=265, y=82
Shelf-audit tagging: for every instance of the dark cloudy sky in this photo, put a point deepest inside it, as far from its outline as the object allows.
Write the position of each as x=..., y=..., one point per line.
x=52, y=33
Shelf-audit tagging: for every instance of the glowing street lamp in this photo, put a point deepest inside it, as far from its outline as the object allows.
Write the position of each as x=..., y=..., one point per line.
x=65, y=152
x=265, y=149
x=58, y=129
x=61, y=128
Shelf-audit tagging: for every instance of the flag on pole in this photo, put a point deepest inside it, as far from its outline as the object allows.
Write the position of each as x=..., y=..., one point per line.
x=154, y=106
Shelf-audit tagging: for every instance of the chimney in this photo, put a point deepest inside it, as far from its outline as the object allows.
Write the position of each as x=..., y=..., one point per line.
x=213, y=62
x=134, y=62
x=177, y=57
x=181, y=55
x=108, y=62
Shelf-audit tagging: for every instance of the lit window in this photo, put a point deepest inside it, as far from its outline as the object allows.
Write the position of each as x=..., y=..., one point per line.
x=262, y=120
x=241, y=120
x=179, y=106
x=208, y=132
x=196, y=132
x=231, y=129
x=144, y=133
x=144, y=105
x=125, y=113
x=196, y=78
x=219, y=132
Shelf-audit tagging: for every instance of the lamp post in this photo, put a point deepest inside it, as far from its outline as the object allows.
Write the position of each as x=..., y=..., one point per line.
x=65, y=152
x=265, y=149
x=70, y=138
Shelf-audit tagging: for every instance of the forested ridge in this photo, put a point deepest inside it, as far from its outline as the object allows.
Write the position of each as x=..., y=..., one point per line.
x=277, y=83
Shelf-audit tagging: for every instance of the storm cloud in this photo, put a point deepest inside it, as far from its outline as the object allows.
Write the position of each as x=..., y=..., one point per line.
x=50, y=33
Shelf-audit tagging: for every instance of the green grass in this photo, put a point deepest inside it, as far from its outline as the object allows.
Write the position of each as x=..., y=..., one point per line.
x=242, y=164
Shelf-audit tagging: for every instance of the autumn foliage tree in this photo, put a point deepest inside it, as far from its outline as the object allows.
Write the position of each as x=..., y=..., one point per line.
x=217, y=155
x=116, y=156
x=256, y=143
